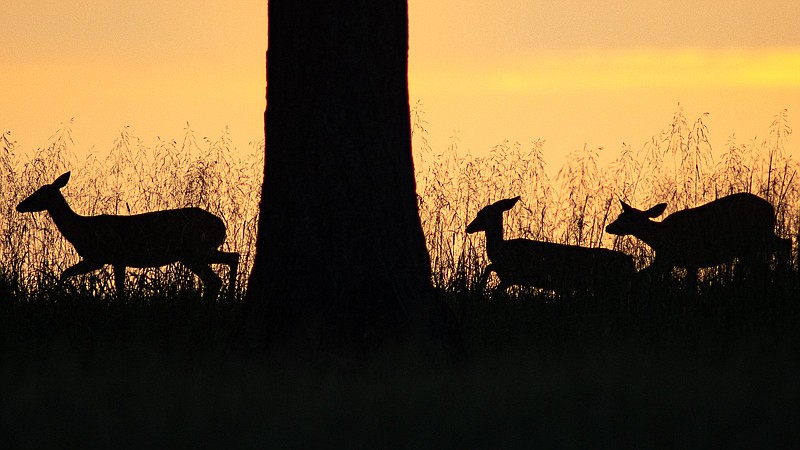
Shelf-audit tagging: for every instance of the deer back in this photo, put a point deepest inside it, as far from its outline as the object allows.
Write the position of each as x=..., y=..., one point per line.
x=149, y=239
x=560, y=267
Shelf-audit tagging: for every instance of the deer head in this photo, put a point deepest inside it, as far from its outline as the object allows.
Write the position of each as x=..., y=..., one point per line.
x=632, y=220
x=44, y=196
x=491, y=215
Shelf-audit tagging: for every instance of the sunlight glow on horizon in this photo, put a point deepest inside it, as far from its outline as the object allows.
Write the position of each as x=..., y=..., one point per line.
x=603, y=97
x=618, y=69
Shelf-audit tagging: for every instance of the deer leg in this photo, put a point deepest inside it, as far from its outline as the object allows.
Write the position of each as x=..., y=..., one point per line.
x=211, y=281
x=484, y=278
x=80, y=268
x=783, y=253
x=651, y=272
x=501, y=288
x=119, y=281
x=231, y=259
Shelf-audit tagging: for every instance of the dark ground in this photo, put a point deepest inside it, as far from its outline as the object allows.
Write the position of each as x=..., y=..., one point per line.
x=664, y=369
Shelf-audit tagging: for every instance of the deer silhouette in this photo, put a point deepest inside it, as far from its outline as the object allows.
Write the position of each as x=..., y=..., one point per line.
x=738, y=225
x=558, y=267
x=188, y=235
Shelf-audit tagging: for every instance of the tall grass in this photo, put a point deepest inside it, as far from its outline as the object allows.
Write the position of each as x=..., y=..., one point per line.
x=677, y=165
x=129, y=178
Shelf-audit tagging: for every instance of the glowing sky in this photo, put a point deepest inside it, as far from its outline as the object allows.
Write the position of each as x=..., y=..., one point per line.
x=599, y=72
x=150, y=64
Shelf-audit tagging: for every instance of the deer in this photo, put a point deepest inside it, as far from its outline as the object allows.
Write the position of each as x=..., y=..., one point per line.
x=735, y=226
x=546, y=265
x=190, y=236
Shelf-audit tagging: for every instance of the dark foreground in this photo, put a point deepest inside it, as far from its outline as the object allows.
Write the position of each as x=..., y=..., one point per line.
x=666, y=369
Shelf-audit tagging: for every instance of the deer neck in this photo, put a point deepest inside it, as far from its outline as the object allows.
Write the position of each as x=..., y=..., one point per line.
x=652, y=234
x=494, y=237
x=67, y=221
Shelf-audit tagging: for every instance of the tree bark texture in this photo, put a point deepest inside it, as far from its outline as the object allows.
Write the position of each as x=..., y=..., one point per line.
x=341, y=261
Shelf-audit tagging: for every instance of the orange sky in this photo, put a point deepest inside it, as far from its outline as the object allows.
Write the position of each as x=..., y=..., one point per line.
x=601, y=72
x=571, y=72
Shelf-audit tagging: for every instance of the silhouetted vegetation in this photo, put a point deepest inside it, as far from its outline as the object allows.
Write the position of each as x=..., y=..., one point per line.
x=664, y=367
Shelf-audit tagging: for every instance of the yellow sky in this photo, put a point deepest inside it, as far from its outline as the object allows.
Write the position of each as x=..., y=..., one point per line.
x=602, y=72
x=571, y=72
x=604, y=98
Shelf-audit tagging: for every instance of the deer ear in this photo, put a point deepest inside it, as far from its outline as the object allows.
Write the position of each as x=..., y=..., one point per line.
x=625, y=207
x=656, y=211
x=61, y=181
x=507, y=204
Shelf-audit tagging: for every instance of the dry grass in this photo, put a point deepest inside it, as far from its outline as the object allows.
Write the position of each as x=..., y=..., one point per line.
x=129, y=178
x=677, y=165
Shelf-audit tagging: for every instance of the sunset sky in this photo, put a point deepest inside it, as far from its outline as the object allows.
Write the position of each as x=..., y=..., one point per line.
x=571, y=72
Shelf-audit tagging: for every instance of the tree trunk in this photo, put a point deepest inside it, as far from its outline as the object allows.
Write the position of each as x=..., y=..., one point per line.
x=341, y=262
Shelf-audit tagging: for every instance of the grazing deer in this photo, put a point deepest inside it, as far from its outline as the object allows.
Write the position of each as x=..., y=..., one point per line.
x=546, y=265
x=154, y=239
x=739, y=225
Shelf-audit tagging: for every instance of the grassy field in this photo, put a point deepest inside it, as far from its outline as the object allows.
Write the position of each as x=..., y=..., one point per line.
x=667, y=367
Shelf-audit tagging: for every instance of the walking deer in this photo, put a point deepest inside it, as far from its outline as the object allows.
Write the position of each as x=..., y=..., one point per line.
x=565, y=268
x=188, y=235
x=738, y=225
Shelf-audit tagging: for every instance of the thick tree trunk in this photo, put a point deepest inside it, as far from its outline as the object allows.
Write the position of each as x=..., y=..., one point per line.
x=341, y=262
